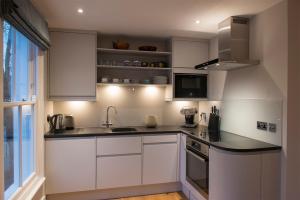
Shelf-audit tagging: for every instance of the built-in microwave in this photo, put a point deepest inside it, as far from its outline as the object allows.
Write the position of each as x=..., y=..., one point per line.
x=190, y=85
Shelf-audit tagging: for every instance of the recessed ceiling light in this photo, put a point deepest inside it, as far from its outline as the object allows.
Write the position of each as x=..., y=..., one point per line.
x=197, y=22
x=80, y=10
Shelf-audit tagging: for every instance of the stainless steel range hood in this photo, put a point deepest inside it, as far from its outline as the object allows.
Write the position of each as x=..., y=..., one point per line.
x=233, y=50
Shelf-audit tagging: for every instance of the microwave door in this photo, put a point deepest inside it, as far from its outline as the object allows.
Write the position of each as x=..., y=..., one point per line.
x=190, y=86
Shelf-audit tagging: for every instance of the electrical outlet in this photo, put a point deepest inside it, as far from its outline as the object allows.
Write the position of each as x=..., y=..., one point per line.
x=262, y=126
x=272, y=127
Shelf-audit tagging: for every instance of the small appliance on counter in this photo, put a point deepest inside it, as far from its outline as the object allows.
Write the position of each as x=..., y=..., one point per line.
x=56, y=123
x=150, y=121
x=214, y=122
x=68, y=122
x=189, y=114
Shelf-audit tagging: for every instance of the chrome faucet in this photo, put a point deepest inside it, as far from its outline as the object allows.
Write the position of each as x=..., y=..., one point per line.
x=107, y=122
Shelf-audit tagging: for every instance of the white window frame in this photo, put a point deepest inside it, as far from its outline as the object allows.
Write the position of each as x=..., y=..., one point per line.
x=27, y=188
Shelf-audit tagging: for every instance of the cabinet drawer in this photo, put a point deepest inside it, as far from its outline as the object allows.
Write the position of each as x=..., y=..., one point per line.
x=119, y=171
x=119, y=145
x=160, y=138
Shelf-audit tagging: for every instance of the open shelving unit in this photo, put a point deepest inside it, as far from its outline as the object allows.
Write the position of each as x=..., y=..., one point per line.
x=133, y=84
x=137, y=74
x=130, y=51
x=133, y=67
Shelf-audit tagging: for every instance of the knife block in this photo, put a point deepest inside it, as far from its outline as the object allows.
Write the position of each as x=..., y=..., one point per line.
x=214, y=124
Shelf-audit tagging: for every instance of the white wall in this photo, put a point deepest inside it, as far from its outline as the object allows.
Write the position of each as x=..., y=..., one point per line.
x=292, y=147
x=258, y=93
x=132, y=107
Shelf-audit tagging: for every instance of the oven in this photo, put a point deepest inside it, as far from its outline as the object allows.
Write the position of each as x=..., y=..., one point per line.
x=197, y=164
x=190, y=85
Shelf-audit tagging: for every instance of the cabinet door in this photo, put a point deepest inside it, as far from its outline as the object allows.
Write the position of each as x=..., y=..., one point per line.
x=72, y=72
x=160, y=163
x=70, y=165
x=234, y=176
x=188, y=52
x=119, y=171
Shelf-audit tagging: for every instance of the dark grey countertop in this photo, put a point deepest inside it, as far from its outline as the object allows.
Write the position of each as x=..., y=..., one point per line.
x=225, y=140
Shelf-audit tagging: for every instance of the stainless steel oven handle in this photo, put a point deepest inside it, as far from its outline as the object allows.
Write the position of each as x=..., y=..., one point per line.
x=200, y=158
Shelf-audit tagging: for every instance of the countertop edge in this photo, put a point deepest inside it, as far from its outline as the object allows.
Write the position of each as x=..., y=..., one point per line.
x=186, y=132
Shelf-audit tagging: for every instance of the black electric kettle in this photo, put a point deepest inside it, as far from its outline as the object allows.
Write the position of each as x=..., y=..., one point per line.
x=55, y=123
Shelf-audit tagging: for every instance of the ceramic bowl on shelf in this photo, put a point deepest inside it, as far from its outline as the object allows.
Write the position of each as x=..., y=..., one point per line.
x=147, y=48
x=160, y=80
x=115, y=80
x=144, y=64
x=104, y=80
x=126, y=80
x=120, y=45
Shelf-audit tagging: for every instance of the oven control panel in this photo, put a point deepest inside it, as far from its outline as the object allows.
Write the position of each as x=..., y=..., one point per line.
x=197, y=146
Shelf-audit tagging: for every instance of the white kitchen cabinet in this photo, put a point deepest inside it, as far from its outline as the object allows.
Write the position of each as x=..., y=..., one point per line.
x=189, y=52
x=119, y=145
x=119, y=171
x=70, y=165
x=72, y=71
x=246, y=176
x=160, y=163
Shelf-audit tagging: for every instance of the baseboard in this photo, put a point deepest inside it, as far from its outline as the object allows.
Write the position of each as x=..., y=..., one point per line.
x=118, y=193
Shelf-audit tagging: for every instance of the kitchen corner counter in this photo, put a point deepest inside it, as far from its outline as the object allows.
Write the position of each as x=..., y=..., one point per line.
x=224, y=141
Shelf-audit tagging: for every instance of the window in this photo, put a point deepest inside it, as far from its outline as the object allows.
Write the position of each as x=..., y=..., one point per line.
x=19, y=91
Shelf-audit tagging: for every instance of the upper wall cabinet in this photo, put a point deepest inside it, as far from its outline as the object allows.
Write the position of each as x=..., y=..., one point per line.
x=189, y=52
x=72, y=71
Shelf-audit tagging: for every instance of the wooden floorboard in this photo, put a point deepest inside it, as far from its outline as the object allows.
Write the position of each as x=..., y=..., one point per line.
x=166, y=196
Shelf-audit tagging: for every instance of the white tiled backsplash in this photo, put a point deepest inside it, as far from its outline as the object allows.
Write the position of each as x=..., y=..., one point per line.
x=132, y=103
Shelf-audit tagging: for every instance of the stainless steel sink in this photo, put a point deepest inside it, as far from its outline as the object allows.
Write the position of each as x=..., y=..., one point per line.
x=123, y=129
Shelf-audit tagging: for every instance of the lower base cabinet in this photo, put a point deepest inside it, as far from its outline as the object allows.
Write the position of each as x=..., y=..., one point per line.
x=247, y=176
x=119, y=171
x=160, y=163
x=68, y=167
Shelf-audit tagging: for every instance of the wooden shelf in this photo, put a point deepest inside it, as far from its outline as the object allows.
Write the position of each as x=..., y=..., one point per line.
x=132, y=67
x=133, y=84
x=137, y=52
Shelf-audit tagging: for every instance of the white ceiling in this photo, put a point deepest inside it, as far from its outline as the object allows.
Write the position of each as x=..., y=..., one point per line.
x=147, y=17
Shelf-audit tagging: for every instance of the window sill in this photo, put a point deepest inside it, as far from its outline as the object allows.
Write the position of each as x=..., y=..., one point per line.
x=28, y=191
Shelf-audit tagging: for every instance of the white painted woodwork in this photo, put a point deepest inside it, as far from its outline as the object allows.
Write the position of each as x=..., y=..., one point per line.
x=119, y=171
x=182, y=165
x=160, y=138
x=189, y=52
x=215, y=85
x=271, y=175
x=70, y=165
x=117, y=145
x=72, y=71
x=182, y=157
x=160, y=163
x=246, y=176
x=234, y=176
x=197, y=196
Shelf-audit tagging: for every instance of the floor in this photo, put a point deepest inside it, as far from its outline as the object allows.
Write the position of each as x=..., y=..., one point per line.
x=166, y=196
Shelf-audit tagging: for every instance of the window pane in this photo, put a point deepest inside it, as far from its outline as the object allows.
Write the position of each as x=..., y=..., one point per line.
x=8, y=62
x=27, y=142
x=11, y=151
x=19, y=64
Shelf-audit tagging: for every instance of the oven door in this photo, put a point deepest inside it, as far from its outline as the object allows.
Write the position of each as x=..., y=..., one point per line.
x=197, y=170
